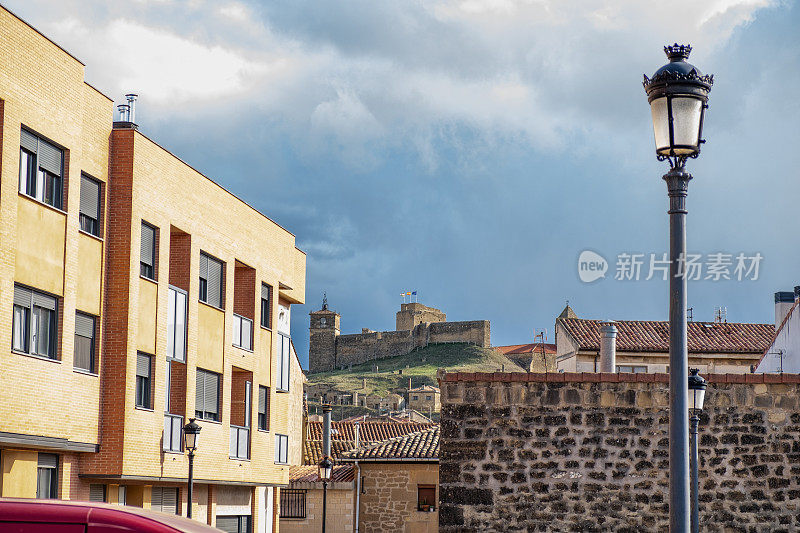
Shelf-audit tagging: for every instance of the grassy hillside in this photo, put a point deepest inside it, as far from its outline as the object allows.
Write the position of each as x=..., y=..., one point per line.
x=420, y=365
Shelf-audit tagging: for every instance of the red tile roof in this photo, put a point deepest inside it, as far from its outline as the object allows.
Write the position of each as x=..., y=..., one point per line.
x=312, y=450
x=369, y=432
x=310, y=474
x=424, y=388
x=422, y=445
x=653, y=336
x=514, y=349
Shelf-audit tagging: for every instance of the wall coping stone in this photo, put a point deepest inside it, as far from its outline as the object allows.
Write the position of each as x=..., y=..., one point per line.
x=605, y=377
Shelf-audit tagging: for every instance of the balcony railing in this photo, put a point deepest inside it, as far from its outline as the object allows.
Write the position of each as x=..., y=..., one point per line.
x=173, y=424
x=240, y=442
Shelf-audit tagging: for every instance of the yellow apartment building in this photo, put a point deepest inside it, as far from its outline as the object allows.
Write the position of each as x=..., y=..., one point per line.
x=135, y=293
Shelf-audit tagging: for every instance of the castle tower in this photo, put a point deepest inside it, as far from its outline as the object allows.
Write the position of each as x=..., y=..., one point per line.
x=324, y=329
x=411, y=314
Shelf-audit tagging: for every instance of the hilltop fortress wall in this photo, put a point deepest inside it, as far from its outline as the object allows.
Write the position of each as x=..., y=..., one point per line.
x=329, y=349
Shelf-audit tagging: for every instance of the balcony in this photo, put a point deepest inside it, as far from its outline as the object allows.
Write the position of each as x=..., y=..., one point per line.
x=240, y=442
x=173, y=424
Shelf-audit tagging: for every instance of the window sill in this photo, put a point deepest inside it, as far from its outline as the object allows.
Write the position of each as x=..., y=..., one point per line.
x=35, y=356
x=172, y=452
x=147, y=409
x=243, y=459
x=266, y=328
x=85, y=372
x=43, y=204
x=283, y=391
x=281, y=464
x=92, y=235
x=211, y=306
x=242, y=348
x=262, y=430
x=207, y=420
x=151, y=280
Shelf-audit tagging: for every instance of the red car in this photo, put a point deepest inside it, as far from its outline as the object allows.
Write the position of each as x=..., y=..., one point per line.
x=61, y=516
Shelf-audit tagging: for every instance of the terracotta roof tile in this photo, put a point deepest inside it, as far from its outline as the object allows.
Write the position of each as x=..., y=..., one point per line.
x=369, y=432
x=310, y=474
x=424, y=388
x=419, y=445
x=526, y=348
x=653, y=336
x=312, y=450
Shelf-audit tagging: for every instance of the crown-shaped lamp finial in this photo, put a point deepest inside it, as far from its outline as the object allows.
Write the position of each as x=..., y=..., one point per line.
x=678, y=52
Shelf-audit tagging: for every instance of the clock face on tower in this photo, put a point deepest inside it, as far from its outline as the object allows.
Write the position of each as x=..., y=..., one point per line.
x=323, y=321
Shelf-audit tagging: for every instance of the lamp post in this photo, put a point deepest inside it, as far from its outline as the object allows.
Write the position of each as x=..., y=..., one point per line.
x=191, y=434
x=697, y=394
x=325, y=469
x=678, y=97
x=326, y=465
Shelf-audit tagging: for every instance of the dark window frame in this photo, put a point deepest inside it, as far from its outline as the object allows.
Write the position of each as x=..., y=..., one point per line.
x=281, y=458
x=202, y=414
x=53, y=184
x=52, y=472
x=263, y=416
x=87, y=223
x=30, y=342
x=293, y=503
x=425, y=492
x=92, y=347
x=266, y=306
x=204, y=285
x=149, y=271
x=144, y=384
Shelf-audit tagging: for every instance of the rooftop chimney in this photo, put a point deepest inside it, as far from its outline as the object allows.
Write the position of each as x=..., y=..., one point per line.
x=608, y=346
x=131, y=98
x=357, y=428
x=784, y=301
x=124, y=112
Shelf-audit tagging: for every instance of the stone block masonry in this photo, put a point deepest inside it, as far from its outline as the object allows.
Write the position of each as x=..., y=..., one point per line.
x=590, y=452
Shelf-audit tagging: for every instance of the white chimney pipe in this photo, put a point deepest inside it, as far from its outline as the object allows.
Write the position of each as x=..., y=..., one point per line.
x=608, y=347
x=784, y=301
x=358, y=435
x=131, y=98
x=124, y=112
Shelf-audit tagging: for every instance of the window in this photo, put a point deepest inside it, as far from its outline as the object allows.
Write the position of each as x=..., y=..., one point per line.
x=47, y=476
x=234, y=524
x=284, y=343
x=147, y=259
x=266, y=306
x=173, y=424
x=206, y=404
x=90, y=205
x=122, y=495
x=293, y=503
x=97, y=492
x=212, y=275
x=429, y=398
x=84, y=343
x=263, y=408
x=40, y=169
x=164, y=499
x=416, y=397
x=144, y=366
x=426, y=497
x=626, y=369
x=176, y=324
x=281, y=449
x=35, y=323
x=242, y=332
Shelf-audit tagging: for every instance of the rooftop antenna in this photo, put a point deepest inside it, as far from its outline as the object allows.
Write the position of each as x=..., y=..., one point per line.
x=690, y=311
x=542, y=336
x=721, y=315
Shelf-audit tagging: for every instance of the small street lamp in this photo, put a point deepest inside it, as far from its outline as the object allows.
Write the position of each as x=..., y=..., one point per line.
x=326, y=465
x=697, y=394
x=678, y=97
x=191, y=434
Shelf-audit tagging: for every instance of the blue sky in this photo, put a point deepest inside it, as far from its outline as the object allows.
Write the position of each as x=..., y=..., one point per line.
x=467, y=149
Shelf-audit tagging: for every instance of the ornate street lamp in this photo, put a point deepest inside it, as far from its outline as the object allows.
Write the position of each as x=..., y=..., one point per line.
x=697, y=394
x=191, y=434
x=678, y=96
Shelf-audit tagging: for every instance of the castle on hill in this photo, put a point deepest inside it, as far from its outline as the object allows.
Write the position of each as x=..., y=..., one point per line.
x=417, y=326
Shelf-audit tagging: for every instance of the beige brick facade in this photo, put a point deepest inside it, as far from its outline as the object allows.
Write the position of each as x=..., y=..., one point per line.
x=91, y=421
x=389, y=498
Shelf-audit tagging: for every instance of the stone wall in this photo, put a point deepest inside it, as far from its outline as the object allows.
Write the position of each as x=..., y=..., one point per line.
x=389, y=499
x=589, y=452
x=360, y=348
x=339, y=514
x=412, y=314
